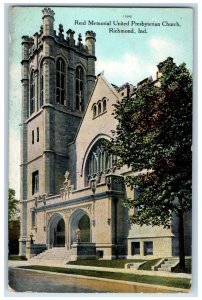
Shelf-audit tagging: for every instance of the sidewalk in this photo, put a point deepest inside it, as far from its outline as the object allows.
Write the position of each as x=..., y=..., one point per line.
x=61, y=264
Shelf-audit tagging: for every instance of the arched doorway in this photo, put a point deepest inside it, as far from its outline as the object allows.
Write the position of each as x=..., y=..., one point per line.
x=80, y=222
x=57, y=231
x=84, y=227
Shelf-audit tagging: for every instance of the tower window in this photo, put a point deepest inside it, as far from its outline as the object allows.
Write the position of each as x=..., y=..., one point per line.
x=41, y=91
x=79, y=89
x=35, y=182
x=33, y=219
x=37, y=134
x=32, y=136
x=60, y=81
x=32, y=93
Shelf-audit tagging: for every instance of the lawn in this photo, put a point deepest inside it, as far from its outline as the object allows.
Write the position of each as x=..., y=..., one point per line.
x=158, y=280
x=17, y=257
x=116, y=263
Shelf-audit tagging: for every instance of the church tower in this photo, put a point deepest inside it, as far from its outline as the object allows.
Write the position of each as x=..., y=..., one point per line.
x=58, y=75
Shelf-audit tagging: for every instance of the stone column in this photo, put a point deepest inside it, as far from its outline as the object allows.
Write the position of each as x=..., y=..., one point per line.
x=90, y=44
x=26, y=43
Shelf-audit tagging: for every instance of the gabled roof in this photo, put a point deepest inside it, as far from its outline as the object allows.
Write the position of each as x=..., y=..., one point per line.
x=113, y=90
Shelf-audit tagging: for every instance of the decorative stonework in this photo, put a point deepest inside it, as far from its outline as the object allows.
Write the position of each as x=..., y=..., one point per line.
x=67, y=188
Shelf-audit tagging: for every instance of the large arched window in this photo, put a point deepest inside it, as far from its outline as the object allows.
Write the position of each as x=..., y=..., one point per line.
x=60, y=81
x=79, y=89
x=32, y=93
x=99, y=161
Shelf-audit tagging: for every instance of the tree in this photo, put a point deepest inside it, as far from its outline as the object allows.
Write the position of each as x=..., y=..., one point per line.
x=12, y=204
x=153, y=137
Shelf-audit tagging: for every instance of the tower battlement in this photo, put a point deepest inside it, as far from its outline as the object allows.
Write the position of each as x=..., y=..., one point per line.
x=47, y=11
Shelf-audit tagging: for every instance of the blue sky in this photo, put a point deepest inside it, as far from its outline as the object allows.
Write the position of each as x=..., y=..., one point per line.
x=124, y=57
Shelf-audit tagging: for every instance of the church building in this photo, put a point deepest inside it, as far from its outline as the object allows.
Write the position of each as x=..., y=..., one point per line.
x=71, y=190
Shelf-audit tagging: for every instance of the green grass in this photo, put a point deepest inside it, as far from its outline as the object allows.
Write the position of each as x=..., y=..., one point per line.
x=159, y=280
x=17, y=257
x=116, y=263
x=148, y=265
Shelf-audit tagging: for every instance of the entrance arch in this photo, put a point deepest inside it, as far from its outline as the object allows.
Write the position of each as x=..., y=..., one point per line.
x=57, y=231
x=80, y=228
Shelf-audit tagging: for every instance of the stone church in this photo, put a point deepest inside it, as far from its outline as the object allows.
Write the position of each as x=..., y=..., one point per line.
x=71, y=191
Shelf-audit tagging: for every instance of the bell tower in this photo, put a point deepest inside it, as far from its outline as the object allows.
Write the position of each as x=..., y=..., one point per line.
x=58, y=75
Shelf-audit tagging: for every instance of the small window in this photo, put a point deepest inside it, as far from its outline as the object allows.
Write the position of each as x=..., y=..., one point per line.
x=104, y=105
x=99, y=108
x=33, y=219
x=37, y=134
x=32, y=136
x=135, y=248
x=35, y=182
x=94, y=111
x=148, y=248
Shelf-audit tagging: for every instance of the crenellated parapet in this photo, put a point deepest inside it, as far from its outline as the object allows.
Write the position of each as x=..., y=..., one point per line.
x=90, y=42
x=48, y=12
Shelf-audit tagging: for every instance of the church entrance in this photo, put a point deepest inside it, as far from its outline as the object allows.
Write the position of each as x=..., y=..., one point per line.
x=59, y=234
x=57, y=231
x=84, y=227
x=80, y=230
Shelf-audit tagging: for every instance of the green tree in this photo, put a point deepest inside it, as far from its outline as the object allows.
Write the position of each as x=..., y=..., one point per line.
x=12, y=204
x=153, y=137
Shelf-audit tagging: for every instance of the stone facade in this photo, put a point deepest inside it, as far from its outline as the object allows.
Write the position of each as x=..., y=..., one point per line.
x=71, y=191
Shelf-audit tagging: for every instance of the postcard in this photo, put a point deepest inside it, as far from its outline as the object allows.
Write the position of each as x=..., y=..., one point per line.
x=100, y=133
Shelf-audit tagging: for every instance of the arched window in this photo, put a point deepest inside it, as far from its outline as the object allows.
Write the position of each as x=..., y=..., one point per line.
x=104, y=104
x=60, y=81
x=32, y=93
x=41, y=90
x=94, y=111
x=99, y=108
x=99, y=161
x=79, y=89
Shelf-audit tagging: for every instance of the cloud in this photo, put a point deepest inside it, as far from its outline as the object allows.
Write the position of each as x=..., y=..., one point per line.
x=131, y=68
x=161, y=48
x=14, y=72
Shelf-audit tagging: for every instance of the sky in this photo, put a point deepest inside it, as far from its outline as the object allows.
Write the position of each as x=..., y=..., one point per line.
x=124, y=57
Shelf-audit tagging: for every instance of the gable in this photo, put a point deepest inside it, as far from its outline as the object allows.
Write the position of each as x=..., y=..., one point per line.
x=96, y=125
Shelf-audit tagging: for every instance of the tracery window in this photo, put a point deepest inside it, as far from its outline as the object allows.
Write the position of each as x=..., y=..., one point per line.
x=99, y=162
x=79, y=89
x=60, y=81
x=32, y=93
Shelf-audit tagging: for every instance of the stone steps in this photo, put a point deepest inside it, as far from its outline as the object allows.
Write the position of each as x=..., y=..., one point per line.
x=168, y=264
x=54, y=254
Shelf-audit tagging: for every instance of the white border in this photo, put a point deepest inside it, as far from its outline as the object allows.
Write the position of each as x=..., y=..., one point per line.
x=4, y=132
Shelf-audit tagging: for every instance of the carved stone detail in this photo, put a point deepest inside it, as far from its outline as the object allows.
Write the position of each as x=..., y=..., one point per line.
x=67, y=188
